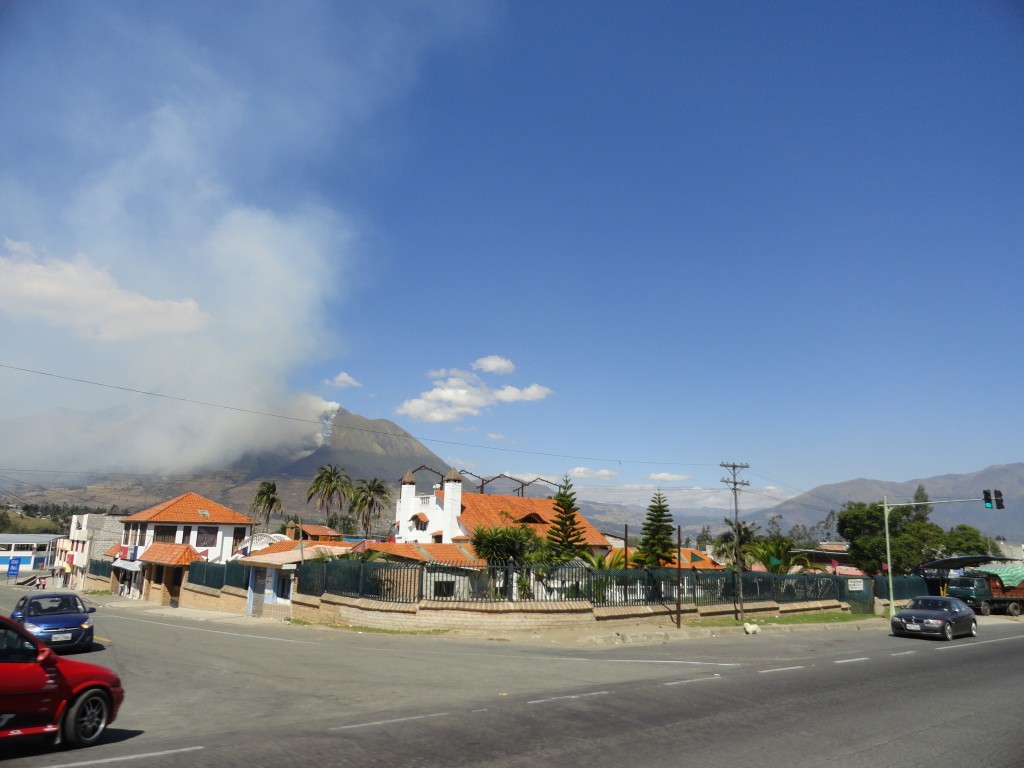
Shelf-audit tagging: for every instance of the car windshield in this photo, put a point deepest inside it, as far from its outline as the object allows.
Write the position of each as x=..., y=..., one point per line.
x=924, y=604
x=55, y=605
x=963, y=583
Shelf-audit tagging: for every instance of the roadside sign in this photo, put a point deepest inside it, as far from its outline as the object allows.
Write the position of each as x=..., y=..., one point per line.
x=12, y=568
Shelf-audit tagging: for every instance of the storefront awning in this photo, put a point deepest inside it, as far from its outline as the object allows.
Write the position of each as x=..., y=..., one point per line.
x=128, y=565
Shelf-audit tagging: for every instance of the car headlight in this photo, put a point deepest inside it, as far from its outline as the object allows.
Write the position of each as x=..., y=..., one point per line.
x=35, y=629
x=932, y=622
x=87, y=623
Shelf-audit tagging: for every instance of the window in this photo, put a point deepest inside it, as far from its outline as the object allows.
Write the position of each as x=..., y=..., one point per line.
x=444, y=589
x=206, y=536
x=165, y=533
x=186, y=534
x=421, y=525
x=15, y=648
x=237, y=538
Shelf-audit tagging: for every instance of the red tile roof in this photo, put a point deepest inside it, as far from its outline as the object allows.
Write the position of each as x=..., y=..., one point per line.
x=162, y=553
x=488, y=510
x=188, y=508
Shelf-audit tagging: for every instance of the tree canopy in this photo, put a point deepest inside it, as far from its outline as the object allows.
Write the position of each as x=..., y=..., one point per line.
x=913, y=538
x=565, y=536
x=657, y=545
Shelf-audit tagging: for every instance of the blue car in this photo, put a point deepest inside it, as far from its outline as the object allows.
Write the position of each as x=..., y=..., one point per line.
x=59, y=619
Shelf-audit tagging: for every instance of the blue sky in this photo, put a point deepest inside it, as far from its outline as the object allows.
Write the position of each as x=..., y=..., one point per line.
x=622, y=241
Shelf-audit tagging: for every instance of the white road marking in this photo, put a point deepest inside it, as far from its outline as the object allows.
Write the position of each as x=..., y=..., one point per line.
x=778, y=669
x=695, y=680
x=957, y=646
x=387, y=722
x=574, y=696
x=143, y=756
x=851, y=661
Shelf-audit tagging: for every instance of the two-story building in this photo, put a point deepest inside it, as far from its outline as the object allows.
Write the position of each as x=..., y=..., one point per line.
x=158, y=544
x=89, y=537
x=450, y=515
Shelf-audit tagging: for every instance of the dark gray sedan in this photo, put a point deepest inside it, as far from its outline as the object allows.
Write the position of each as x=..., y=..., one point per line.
x=945, y=617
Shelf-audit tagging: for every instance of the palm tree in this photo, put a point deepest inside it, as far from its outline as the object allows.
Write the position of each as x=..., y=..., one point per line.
x=265, y=501
x=725, y=545
x=777, y=556
x=369, y=499
x=330, y=484
x=612, y=561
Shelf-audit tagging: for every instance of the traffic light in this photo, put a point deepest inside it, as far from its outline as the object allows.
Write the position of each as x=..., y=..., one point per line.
x=999, y=498
x=988, y=499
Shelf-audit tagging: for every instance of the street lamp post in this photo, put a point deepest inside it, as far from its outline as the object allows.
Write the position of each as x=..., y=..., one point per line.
x=888, y=555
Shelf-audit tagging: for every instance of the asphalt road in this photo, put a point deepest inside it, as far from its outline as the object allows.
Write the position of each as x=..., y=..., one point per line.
x=235, y=692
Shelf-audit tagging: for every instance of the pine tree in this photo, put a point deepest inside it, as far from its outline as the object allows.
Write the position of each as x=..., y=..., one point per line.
x=565, y=537
x=656, y=542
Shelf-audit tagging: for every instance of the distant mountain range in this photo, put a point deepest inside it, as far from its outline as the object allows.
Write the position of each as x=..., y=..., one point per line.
x=378, y=448
x=811, y=507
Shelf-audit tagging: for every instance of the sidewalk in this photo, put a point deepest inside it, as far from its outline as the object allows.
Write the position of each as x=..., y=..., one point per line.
x=120, y=603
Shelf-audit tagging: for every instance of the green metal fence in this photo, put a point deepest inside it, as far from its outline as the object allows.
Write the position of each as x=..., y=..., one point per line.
x=511, y=582
x=903, y=587
x=236, y=575
x=101, y=568
x=207, y=574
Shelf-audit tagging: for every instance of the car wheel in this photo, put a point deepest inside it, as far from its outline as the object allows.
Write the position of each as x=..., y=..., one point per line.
x=1013, y=609
x=947, y=631
x=974, y=629
x=986, y=608
x=86, y=720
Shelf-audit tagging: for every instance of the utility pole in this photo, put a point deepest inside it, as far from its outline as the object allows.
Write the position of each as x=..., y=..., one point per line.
x=735, y=484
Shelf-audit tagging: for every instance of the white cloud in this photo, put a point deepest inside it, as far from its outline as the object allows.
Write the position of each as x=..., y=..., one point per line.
x=592, y=474
x=342, y=380
x=495, y=436
x=494, y=364
x=457, y=394
x=184, y=255
x=668, y=477
x=87, y=300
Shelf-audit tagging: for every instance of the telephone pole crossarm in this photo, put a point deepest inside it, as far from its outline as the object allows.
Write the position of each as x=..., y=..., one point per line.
x=735, y=484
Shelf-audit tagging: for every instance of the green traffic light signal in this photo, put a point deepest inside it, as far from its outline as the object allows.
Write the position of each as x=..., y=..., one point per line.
x=988, y=499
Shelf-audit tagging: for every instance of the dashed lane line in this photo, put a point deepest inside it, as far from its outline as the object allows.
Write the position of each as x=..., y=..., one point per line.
x=387, y=722
x=125, y=758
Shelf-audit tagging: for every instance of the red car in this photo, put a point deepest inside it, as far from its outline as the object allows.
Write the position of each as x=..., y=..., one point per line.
x=42, y=693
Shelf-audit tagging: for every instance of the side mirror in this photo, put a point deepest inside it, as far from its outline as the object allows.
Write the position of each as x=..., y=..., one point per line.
x=46, y=655
x=90, y=610
x=17, y=615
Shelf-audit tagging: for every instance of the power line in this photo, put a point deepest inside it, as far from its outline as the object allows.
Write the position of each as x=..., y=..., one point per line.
x=351, y=429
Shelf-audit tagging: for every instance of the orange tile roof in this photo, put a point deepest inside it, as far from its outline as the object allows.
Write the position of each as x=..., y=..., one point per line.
x=420, y=517
x=481, y=509
x=691, y=558
x=451, y=554
x=186, y=509
x=319, y=530
x=162, y=553
x=114, y=551
x=293, y=544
